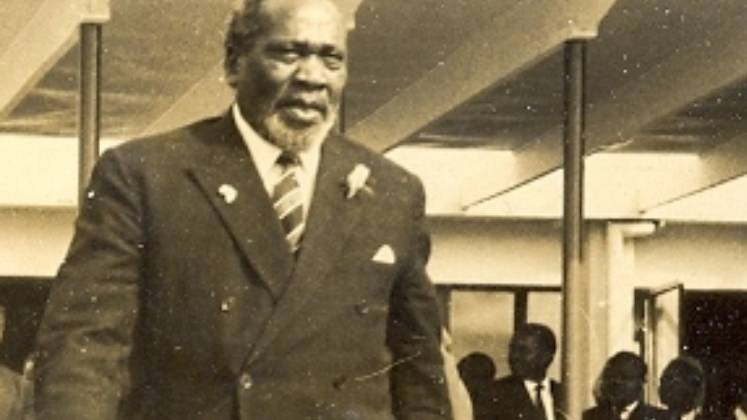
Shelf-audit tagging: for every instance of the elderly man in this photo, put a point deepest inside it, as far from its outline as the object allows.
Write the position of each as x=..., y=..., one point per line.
x=528, y=393
x=251, y=266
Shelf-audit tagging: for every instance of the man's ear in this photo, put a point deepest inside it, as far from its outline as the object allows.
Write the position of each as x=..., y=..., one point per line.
x=230, y=73
x=230, y=78
x=231, y=68
x=547, y=360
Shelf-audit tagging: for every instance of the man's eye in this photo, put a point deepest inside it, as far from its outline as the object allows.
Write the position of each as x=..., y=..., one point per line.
x=285, y=55
x=334, y=61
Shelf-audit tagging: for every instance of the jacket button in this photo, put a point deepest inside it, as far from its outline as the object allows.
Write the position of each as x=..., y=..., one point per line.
x=246, y=381
x=227, y=304
x=339, y=382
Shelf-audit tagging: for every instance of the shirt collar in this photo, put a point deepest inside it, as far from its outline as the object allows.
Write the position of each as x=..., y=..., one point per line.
x=693, y=414
x=265, y=154
x=531, y=385
x=628, y=410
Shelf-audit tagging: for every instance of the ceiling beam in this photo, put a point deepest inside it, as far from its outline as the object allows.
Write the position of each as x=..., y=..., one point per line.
x=47, y=33
x=491, y=54
x=715, y=167
x=612, y=187
x=15, y=14
x=211, y=95
x=667, y=87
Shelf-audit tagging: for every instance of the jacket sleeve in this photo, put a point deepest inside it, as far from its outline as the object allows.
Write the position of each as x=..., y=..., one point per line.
x=86, y=334
x=418, y=382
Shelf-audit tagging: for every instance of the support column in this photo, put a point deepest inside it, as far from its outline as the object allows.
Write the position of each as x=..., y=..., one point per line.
x=90, y=103
x=573, y=344
x=521, y=308
x=605, y=305
x=610, y=275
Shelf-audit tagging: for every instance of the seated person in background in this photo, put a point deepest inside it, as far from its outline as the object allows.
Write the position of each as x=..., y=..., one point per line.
x=10, y=383
x=461, y=404
x=477, y=371
x=26, y=407
x=528, y=393
x=682, y=388
x=620, y=391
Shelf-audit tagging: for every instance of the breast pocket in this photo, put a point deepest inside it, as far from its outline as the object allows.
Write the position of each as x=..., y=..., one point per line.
x=376, y=279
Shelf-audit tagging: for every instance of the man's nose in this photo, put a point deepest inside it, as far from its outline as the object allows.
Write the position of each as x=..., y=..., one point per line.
x=312, y=71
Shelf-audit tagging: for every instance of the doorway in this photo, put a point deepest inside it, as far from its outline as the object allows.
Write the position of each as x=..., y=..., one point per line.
x=715, y=332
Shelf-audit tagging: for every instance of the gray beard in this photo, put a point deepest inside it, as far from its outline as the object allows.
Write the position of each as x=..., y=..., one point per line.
x=293, y=139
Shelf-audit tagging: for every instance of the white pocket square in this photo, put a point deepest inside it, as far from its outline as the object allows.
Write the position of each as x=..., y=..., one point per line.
x=385, y=255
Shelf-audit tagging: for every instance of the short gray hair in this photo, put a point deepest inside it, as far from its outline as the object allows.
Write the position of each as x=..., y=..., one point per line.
x=244, y=27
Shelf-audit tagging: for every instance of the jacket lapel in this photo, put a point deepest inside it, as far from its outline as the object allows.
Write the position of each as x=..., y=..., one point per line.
x=229, y=179
x=332, y=218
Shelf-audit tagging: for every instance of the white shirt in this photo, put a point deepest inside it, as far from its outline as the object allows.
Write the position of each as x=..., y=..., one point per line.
x=265, y=155
x=690, y=415
x=739, y=413
x=545, y=394
x=628, y=410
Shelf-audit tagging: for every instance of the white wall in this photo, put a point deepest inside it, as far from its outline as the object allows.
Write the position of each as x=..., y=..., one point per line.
x=33, y=242
x=701, y=256
x=486, y=251
x=40, y=171
x=490, y=251
x=466, y=251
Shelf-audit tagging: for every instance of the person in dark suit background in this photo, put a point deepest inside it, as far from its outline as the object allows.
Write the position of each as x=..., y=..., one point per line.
x=682, y=388
x=527, y=393
x=478, y=371
x=11, y=396
x=620, y=391
x=257, y=265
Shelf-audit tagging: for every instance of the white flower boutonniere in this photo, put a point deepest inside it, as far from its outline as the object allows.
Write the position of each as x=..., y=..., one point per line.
x=356, y=181
x=228, y=192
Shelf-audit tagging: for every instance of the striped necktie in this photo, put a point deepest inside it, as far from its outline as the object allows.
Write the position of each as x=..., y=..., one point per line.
x=287, y=199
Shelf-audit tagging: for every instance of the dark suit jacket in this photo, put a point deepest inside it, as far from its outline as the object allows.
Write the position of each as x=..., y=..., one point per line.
x=512, y=402
x=641, y=412
x=179, y=300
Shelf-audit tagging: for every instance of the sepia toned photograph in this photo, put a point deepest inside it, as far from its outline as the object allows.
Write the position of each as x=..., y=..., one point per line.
x=373, y=210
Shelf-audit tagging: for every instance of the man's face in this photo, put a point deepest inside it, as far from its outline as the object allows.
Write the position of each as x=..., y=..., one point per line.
x=289, y=85
x=624, y=384
x=527, y=359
